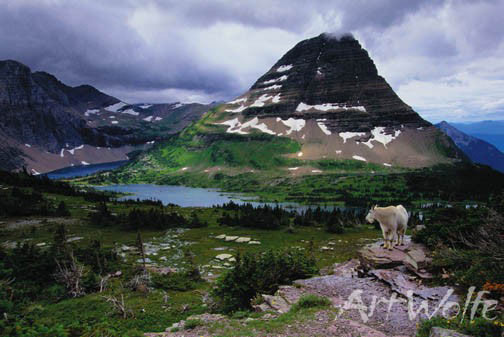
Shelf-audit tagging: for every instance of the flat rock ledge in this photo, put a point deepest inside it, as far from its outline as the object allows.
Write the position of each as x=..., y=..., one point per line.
x=414, y=256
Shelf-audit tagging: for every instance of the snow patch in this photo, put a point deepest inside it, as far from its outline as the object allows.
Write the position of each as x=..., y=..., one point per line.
x=273, y=87
x=84, y=163
x=328, y=106
x=276, y=98
x=239, y=109
x=324, y=128
x=130, y=112
x=184, y=168
x=338, y=151
x=378, y=134
x=177, y=105
x=62, y=153
x=261, y=100
x=35, y=172
x=316, y=171
x=148, y=119
x=264, y=128
x=91, y=112
x=116, y=107
x=300, y=154
x=283, y=68
x=293, y=168
x=238, y=100
x=293, y=124
x=279, y=79
x=115, y=122
x=420, y=128
x=158, y=119
x=386, y=164
x=112, y=117
x=27, y=145
x=146, y=106
x=72, y=151
x=303, y=136
x=359, y=158
x=348, y=135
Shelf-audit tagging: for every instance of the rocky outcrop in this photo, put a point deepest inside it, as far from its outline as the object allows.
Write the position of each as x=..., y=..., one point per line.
x=414, y=256
x=440, y=332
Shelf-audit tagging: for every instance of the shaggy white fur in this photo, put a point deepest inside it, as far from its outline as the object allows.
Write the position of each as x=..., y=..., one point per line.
x=393, y=221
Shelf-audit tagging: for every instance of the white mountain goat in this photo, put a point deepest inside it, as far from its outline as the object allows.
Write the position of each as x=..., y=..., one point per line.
x=393, y=221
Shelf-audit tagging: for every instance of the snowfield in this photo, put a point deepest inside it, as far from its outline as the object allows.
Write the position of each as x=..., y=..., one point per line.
x=280, y=79
x=292, y=124
x=348, y=135
x=130, y=112
x=359, y=158
x=238, y=100
x=378, y=134
x=273, y=87
x=283, y=68
x=91, y=112
x=116, y=107
x=323, y=127
x=328, y=106
x=239, y=109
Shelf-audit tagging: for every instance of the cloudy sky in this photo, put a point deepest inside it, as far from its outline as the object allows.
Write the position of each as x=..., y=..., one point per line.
x=444, y=58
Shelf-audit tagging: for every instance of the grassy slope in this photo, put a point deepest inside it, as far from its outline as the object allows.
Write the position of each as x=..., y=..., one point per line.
x=151, y=312
x=204, y=155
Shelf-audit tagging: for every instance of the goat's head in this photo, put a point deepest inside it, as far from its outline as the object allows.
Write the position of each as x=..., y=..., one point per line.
x=370, y=216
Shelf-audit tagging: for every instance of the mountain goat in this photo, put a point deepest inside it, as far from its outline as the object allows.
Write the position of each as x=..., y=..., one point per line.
x=393, y=221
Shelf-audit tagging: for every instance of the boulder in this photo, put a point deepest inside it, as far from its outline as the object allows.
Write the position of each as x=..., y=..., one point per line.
x=441, y=332
x=223, y=257
x=272, y=303
x=243, y=239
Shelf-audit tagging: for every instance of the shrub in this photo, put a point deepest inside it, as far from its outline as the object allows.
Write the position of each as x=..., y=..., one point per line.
x=192, y=323
x=311, y=301
x=260, y=273
x=468, y=244
x=479, y=327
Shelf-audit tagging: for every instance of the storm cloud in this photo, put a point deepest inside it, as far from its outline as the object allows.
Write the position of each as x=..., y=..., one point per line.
x=444, y=58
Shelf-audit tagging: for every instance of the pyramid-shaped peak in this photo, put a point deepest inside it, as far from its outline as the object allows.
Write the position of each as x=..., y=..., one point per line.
x=332, y=77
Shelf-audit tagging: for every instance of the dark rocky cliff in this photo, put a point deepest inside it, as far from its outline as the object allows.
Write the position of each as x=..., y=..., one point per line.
x=326, y=69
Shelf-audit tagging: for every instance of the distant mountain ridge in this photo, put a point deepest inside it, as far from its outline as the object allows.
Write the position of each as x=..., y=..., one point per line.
x=491, y=131
x=479, y=151
x=46, y=125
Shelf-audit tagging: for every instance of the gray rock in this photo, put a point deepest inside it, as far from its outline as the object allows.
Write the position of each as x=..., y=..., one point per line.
x=441, y=332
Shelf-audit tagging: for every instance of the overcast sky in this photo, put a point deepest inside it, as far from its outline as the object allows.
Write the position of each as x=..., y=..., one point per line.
x=444, y=58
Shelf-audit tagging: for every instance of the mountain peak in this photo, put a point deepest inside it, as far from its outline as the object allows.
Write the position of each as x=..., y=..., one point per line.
x=328, y=77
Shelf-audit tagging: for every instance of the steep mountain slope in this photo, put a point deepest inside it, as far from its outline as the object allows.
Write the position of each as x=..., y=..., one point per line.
x=476, y=149
x=43, y=121
x=489, y=131
x=322, y=103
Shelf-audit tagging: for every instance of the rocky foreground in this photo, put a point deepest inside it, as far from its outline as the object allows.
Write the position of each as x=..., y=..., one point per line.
x=376, y=276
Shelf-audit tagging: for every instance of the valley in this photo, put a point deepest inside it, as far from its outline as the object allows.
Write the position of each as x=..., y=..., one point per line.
x=245, y=217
